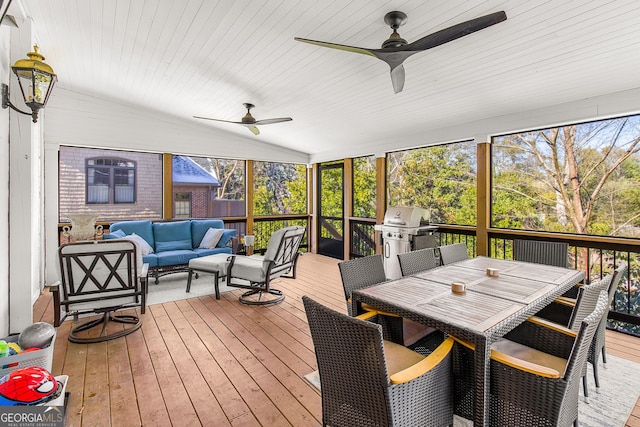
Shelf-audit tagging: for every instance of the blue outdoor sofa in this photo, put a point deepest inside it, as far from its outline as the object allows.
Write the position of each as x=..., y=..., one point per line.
x=173, y=243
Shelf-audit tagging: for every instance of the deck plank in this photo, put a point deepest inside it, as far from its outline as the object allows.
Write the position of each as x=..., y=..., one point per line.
x=203, y=361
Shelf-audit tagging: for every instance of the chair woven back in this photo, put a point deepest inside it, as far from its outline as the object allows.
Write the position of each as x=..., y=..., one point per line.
x=600, y=338
x=416, y=261
x=360, y=273
x=586, y=332
x=352, y=367
x=547, y=253
x=588, y=296
x=453, y=253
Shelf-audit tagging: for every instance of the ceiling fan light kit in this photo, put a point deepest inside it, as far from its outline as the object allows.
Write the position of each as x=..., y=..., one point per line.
x=395, y=49
x=249, y=121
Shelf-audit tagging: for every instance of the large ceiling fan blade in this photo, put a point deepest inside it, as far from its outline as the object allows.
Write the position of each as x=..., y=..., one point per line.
x=271, y=121
x=216, y=120
x=355, y=49
x=397, y=78
x=254, y=130
x=455, y=32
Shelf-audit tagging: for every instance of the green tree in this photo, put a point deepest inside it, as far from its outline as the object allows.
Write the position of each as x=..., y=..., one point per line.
x=441, y=178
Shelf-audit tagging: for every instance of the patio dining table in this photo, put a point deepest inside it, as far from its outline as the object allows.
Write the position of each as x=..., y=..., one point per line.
x=490, y=307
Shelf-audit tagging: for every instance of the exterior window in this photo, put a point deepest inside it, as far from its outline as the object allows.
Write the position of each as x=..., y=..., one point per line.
x=279, y=188
x=441, y=178
x=215, y=186
x=182, y=205
x=364, y=187
x=111, y=180
x=579, y=178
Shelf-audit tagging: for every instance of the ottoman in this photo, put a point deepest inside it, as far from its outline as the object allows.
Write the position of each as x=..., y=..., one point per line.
x=216, y=264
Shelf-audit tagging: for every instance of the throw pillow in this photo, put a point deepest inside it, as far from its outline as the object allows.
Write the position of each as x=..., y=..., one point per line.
x=142, y=244
x=211, y=238
x=227, y=234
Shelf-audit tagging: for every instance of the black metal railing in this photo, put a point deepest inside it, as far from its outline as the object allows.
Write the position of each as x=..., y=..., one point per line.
x=263, y=228
x=363, y=237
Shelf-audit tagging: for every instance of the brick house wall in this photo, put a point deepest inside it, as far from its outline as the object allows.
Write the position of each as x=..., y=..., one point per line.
x=72, y=185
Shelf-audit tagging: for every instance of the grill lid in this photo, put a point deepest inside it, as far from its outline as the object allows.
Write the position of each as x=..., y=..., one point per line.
x=406, y=216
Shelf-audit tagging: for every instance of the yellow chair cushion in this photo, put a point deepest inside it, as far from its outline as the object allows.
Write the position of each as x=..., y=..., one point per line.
x=528, y=359
x=399, y=357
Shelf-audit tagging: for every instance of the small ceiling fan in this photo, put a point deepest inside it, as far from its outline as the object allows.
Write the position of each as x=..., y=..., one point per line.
x=396, y=49
x=248, y=120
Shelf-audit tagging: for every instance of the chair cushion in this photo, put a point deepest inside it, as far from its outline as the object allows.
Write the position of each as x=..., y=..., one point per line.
x=249, y=268
x=151, y=259
x=530, y=355
x=399, y=357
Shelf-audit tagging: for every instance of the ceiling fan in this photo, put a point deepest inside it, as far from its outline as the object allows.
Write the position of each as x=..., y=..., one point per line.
x=396, y=49
x=248, y=120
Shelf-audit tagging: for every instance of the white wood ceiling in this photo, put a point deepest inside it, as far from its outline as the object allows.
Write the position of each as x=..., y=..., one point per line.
x=207, y=57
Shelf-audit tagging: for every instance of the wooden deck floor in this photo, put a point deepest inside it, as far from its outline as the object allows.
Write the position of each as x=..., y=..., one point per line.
x=217, y=363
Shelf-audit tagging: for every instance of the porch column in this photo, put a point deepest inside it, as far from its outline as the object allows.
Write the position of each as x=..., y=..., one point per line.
x=483, y=195
x=167, y=173
x=347, y=191
x=381, y=195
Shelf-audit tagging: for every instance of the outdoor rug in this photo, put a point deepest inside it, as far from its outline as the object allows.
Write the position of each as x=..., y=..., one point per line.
x=619, y=390
x=174, y=287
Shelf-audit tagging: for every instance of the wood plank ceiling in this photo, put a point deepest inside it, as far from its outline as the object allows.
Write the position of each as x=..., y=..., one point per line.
x=207, y=57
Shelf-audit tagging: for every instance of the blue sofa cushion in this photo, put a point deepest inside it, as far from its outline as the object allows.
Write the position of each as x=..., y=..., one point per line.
x=151, y=259
x=173, y=245
x=175, y=257
x=205, y=252
x=117, y=234
x=142, y=228
x=199, y=228
x=226, y=236
x=172, y=236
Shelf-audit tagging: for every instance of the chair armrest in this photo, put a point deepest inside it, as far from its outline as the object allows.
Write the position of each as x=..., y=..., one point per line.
x=144, y=271
x=523, y=365
x=54, y=287
x=465, y=343
x=553, y=326
x=545, y=336
x=425, y=365
x=57, y=315
x=569, y=302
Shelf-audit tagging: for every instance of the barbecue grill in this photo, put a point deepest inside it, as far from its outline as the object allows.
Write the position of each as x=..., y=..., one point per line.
x=404, y=229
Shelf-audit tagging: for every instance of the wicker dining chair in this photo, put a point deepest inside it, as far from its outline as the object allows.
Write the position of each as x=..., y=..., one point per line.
x=416, y=261
x=570, y=315
x=536, y=370
x=453, y=253
x=365, y=380
x=539, y=252
x=598, y=345
x=359, y=273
